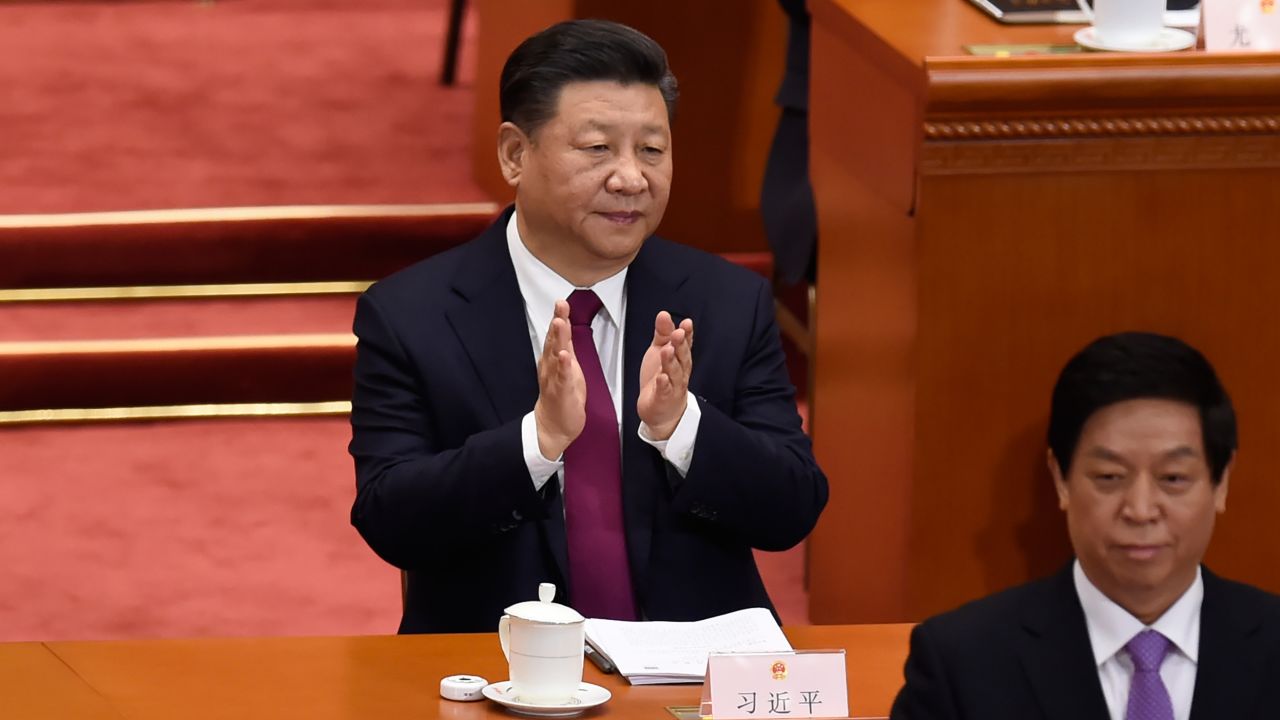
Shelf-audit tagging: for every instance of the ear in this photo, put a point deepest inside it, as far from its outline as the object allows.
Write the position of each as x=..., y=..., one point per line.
x=1059, y=482
x=1220, y=490
x=512, y=147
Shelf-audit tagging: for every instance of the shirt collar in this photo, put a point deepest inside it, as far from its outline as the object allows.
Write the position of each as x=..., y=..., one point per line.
x=1111, y=627
x=542, y=287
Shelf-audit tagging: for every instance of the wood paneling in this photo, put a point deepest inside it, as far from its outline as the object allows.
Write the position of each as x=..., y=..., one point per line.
x=981, y=220
x=38, y=686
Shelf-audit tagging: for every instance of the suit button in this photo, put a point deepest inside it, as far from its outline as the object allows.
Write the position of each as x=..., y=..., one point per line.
x=516, y=515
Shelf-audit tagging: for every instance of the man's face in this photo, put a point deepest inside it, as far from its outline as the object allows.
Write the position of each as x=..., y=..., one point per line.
x=1140, y=503
x=592, y=182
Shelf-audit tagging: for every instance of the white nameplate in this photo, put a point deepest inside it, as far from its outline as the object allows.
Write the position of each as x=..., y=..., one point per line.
x=805, y=684
x=1241, y=24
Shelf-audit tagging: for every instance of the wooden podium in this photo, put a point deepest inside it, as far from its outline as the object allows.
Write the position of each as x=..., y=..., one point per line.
x=980, y=221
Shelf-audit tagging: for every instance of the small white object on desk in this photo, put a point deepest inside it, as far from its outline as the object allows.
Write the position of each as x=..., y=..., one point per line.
x=462, y=688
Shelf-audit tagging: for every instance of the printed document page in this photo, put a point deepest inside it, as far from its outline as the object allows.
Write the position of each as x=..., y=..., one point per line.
x=676, y=652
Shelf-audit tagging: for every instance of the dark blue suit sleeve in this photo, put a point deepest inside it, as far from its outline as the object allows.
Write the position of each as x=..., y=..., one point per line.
x=753, y=474
x=416, y=495
x=926, y=695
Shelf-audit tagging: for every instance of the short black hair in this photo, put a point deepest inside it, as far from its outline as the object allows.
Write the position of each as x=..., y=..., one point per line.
x=1137, y=365
x=579, y=51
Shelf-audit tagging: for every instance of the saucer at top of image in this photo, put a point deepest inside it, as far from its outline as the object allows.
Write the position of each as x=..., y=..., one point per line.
x=1169, y=40
x=587, y=697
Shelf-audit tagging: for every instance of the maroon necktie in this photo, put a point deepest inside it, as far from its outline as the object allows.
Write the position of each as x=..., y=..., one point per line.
x=599, y=574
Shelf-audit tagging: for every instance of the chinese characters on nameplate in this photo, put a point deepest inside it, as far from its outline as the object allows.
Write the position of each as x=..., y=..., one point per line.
x=805, y=684
x=1241, y=24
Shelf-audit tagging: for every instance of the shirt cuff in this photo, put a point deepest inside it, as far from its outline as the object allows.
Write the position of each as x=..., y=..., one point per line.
x=677, y=449
x=540, y=468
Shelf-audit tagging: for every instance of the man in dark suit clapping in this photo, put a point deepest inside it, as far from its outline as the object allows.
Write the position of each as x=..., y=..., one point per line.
x=532, y=407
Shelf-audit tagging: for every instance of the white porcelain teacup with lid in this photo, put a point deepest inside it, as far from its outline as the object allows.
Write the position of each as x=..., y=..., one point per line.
x=543, y=644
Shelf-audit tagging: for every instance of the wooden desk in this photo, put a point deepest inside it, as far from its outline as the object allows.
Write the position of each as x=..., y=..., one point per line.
x=981, y=219
x=36, y=685
x=353, y=678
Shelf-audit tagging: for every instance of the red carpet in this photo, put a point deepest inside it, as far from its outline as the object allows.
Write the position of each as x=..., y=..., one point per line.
x=119, y=105
x=185, y=529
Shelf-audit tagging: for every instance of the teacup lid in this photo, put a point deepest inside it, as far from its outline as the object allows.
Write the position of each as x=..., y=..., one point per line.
x=543, y=610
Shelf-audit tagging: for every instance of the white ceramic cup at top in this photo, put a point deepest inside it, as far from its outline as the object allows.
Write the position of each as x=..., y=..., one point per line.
x=543, y=644
x=1125, y=23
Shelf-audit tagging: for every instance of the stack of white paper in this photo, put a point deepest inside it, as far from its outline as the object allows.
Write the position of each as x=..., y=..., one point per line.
x=652, y=653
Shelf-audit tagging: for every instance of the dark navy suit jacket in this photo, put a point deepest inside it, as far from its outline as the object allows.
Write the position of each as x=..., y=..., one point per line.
x=444, y=374
x=1024, y=654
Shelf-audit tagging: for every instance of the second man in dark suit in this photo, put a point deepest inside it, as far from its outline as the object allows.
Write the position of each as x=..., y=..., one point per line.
x=1142, y=437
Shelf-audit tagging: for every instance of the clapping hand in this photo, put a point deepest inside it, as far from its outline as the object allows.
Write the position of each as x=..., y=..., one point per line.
x=664, y=376
x=561, y=410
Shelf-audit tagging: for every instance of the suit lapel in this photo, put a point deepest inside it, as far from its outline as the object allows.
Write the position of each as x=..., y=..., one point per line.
x=652, y=285
x=489, y=320
x=488, y=317
x=1056, y=654
x=1232, y=654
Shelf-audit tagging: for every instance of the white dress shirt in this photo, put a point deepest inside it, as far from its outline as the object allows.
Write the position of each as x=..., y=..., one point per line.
x=541, y=287
x=1111, y=627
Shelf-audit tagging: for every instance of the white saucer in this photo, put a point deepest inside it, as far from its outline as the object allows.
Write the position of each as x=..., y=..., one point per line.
x=1169, y=40
x=587, y=697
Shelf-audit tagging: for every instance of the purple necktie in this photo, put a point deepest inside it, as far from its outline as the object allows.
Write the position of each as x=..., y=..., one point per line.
x=599, y=573
x=1148, y=698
